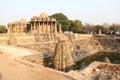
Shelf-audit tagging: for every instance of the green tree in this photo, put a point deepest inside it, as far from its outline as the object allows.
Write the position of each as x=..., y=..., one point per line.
x=76, y=26
x=61, y=18
x=3, y=29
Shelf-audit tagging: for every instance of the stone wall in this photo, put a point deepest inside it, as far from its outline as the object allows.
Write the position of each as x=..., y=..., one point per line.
x=24, y=38
x=83, y=42
x=76, y=36
x=110, y=44
x=4, y=38
x=80, y=48
x=44, y=47
x=20, y=38
x=91, y=46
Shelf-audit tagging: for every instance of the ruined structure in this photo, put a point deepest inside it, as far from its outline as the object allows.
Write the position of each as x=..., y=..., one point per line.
x=38, y=24
x=18, y=26
x=62, y=58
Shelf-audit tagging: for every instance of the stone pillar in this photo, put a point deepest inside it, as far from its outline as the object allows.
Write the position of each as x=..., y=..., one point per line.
x=51, y=27
x=55, y=27
x=48, y=27
x=31, y=27
x=34, y=26
x=39, y=27
x=43, y=27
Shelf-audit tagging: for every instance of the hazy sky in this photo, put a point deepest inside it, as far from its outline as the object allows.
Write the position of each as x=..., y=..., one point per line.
x=88, y=11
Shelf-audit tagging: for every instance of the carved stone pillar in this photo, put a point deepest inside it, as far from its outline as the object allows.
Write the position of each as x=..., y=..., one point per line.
x=47, y=27
x=51, y=27
x=39, y=27
x=34, y=26
x=37, y=24
x=43, y=27
x=55, y=27
x=30, y=27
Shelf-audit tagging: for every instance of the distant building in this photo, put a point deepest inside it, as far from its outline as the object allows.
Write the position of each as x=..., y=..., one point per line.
x=18, y=26
x=41, y=24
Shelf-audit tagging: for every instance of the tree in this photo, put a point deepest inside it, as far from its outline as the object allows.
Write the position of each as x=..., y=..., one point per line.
x=61, y=18
x=76, y=26
x=95, y=29
x=88, y=28
x=3, y=29
x=102, y=28
x=114, y=28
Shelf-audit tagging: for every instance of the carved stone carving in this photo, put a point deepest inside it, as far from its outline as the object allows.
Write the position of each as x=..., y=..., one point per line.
x=62, y=58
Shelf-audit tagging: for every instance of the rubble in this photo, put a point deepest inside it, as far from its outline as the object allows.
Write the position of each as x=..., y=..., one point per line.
x=107, y=72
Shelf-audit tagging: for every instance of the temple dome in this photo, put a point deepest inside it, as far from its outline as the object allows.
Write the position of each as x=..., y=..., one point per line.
x=23, y=20
x=44, y=15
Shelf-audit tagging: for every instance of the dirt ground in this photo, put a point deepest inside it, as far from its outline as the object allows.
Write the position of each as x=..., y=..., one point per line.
x=11, y=69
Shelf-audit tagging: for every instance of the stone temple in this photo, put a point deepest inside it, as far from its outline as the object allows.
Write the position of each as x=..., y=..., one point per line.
x=41, y=24
x=17, y=26
x=62, y=54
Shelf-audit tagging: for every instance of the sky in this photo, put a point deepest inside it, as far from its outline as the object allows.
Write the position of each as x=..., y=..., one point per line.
x=87, y=11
